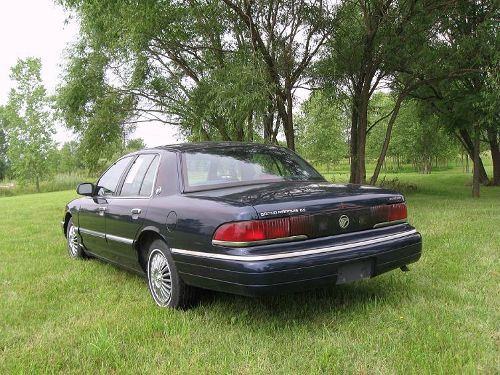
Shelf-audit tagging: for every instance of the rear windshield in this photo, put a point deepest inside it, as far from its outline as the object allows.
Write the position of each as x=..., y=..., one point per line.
x=233, y=166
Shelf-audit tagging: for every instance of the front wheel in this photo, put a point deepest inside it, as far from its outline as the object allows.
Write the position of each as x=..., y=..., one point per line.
x=165, y=285
x=73, y=241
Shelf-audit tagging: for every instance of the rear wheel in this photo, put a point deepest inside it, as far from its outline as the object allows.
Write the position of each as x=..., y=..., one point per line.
x=73, y=241
x=165, y=285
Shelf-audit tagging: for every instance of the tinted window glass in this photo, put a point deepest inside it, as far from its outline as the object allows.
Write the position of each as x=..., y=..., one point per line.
x=244, y=165
x=149, y=179
x=108, y=182
x=135, y=175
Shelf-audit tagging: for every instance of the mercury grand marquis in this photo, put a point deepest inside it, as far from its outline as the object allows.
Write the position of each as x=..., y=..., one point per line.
x=242, y=218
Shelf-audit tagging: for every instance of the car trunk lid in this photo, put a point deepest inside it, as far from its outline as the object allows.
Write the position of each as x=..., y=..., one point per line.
x=318, y=209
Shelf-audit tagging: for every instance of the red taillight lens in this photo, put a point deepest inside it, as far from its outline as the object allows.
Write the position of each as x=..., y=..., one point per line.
x=397, y=212
x=390, y=212
x=254, y=230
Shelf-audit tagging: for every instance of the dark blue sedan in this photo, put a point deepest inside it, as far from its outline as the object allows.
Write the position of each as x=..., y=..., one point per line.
x=241, y=218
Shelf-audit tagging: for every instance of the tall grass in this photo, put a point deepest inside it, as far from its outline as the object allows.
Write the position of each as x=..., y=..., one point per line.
x=58, y=182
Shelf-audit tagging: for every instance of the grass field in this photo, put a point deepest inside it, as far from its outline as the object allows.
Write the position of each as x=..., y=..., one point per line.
x=60, y=315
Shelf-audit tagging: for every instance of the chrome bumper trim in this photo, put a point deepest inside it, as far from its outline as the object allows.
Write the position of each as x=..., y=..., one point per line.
x=387, y=223
x=256, y=258
x=261, y=242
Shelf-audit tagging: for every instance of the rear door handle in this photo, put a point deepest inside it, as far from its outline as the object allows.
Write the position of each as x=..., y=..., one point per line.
x=135, y=211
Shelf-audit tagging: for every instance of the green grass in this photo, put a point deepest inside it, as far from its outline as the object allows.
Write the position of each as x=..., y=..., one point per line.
x=60, y=315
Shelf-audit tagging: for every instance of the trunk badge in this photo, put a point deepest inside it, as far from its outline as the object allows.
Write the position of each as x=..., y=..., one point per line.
x=344, y=221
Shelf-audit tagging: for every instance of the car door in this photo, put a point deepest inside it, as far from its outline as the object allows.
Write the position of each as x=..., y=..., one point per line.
x=127, y=209
x=92, y=213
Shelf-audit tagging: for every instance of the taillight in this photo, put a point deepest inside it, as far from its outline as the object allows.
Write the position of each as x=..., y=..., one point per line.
x=397, y=212
x=390, y=212
x=257, y=231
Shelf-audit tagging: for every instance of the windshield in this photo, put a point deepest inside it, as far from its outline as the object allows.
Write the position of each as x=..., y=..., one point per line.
x=233, y=166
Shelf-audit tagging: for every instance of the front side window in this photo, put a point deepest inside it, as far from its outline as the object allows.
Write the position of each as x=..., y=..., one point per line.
x=136, y=175
x=108, y=182
x=226, y=166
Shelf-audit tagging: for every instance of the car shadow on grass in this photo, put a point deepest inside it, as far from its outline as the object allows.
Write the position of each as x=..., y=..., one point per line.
x=307, y=306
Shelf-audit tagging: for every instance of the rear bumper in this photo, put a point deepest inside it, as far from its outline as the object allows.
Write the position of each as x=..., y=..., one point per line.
x=276, y=269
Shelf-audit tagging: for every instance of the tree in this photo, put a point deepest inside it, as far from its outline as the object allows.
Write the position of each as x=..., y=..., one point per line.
x=135, y=144
x=490, y=94
x=287, y=36
x=68, y=158
x=182, y=63
x=419, y=139
x=321, y=130
x=468, y=105
x=376, y=45
x=223, y=70
x=30, y=125
x=4, y=163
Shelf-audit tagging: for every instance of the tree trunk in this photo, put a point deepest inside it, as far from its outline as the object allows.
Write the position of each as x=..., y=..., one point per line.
x=268, y=120
x=362, y=126
x=387, y=139
x=495, y=154
x=354, y=143
x=37, y=182
x=204, y=136
x=466, y=140
x=359, y=120
x=475, y=176
x=286, y=114
x=240, y=132
x=250, y=127
x=221, y=127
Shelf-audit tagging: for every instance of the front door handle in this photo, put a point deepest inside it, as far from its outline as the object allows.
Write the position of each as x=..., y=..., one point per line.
x=135, y=211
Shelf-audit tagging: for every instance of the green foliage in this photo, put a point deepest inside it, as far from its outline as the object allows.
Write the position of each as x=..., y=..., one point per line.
x=420, y=139
x=92, y=109
x=174, y=62
x=68, y=159
x=470, y=36
x=135, y=144
x=29, y=120
x=322, y=130
x=417, y=137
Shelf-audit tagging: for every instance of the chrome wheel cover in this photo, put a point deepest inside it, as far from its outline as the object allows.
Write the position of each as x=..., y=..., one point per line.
x=73, y=243
x=159, y=277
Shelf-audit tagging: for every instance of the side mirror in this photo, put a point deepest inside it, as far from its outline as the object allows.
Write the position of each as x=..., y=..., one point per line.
x=85, y=188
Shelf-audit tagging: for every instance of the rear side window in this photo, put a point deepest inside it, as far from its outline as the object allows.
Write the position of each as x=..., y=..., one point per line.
x=108, y=182
x=136, y=175
x=149, y=178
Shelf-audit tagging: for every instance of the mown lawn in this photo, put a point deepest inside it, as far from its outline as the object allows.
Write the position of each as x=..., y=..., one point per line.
x=59, y=315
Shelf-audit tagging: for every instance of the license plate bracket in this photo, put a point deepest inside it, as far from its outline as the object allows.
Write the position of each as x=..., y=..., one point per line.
x=355, y=271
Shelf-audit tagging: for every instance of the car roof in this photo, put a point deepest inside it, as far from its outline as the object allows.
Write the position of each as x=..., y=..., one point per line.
x=207, y=146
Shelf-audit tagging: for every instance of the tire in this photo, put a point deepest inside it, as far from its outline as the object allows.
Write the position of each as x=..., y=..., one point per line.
x=165, y=285
x=73, y=241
